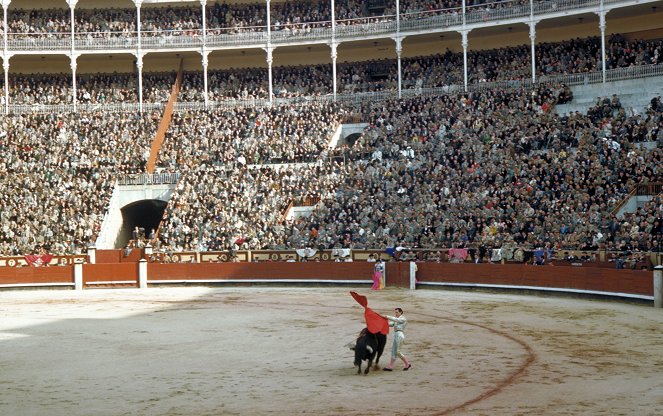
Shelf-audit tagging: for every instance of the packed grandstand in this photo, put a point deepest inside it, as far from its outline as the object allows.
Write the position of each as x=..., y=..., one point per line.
x=463, y=148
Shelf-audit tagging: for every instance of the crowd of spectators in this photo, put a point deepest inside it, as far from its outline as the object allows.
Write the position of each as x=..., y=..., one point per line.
x=487, y=170
x=53, y=89
x=627, y=248
x=57, y=174
x=248, y=136
x=236, y=206
x=224, y=18
x=441, y=70
x=479, y=171
x=483, y=170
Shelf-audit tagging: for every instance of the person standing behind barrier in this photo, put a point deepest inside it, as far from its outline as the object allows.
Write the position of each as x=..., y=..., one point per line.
x=378, y=275
x=398, y=322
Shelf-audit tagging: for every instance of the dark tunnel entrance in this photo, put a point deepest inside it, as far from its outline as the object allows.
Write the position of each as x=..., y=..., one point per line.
x=145, y=214
x=351, y=139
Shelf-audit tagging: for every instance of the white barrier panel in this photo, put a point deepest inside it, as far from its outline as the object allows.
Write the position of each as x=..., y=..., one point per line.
x=413, y=275
x=142, y=274
x=658, y=287
x=78, y=276
x=92, y=255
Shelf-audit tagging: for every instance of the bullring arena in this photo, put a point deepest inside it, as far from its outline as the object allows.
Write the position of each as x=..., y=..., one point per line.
x=189, y=190
x=239, y=349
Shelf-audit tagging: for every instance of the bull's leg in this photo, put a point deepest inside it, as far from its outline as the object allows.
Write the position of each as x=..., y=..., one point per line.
x=368, y=367
x=359, y=369
x=377, y=360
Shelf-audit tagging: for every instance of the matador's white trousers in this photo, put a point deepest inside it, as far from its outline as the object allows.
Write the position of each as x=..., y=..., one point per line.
x=399, y=338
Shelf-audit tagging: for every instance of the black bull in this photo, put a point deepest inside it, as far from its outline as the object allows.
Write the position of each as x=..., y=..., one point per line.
x=369, y=347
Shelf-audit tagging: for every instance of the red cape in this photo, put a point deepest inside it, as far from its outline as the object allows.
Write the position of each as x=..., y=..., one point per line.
x=374, y=322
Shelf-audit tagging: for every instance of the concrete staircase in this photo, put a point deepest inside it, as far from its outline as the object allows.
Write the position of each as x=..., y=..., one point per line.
x=633, y=94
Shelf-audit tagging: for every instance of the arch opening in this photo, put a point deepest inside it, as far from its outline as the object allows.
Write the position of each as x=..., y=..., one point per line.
x=140, y=218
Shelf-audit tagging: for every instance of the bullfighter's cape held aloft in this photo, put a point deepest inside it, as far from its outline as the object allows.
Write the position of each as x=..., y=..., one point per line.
x=374, y=321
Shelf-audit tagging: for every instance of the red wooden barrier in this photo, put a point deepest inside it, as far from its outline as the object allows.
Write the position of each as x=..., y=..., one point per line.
x=632, y=282
x=36, y=275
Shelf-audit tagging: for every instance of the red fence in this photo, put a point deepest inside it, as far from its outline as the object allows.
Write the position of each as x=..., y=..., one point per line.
x=596, y=279
x=631, y=283
x=37, y=276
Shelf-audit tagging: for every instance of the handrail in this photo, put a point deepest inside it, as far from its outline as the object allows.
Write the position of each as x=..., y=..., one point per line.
x=160, y=178
x=649, y=188
x=160, y=135
x=287, y=209
x=624, y=201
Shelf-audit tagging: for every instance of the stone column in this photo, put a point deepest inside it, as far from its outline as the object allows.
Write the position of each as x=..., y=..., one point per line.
x=398, y=17
x=138, y=3
x=139, y=66
x=270, y=61
x=73, y=56
x=399, y=51
x=5, y=67
x=203, y=4
x=269, y=24
x=334, y=55
x=333, y=19
x=72, y=6
x=465, y=44
x=205, y=54
x=532, y=37
x=5, y=7
x=73, y=65
x=602, y=26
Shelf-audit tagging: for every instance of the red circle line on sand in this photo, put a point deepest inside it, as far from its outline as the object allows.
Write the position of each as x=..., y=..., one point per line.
x=511, y=379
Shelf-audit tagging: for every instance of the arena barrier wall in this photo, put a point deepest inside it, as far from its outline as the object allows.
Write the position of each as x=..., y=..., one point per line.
x=265, y=272
x=584, y=280
x=37, y=276
x=110, y=275
x=588, y=280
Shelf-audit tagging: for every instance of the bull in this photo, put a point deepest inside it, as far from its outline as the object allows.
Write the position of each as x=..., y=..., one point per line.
x=369, y=347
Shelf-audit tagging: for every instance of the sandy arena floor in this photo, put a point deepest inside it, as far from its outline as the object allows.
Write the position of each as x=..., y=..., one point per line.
x=281, y=351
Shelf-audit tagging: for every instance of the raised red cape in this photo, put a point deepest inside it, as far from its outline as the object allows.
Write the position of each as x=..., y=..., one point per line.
x=374, y=322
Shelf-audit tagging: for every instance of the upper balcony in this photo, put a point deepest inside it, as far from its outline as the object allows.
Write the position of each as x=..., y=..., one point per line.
x=434, y=21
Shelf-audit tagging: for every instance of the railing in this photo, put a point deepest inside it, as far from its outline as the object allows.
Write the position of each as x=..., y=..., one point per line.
x=598, y=258
x=653, y=188
x=164, y=123
x=67, y=108
x=623, y=202
x=107, y=222
x=410, y=23
x=570, y=258
x=163, y=178
x=650, y=189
